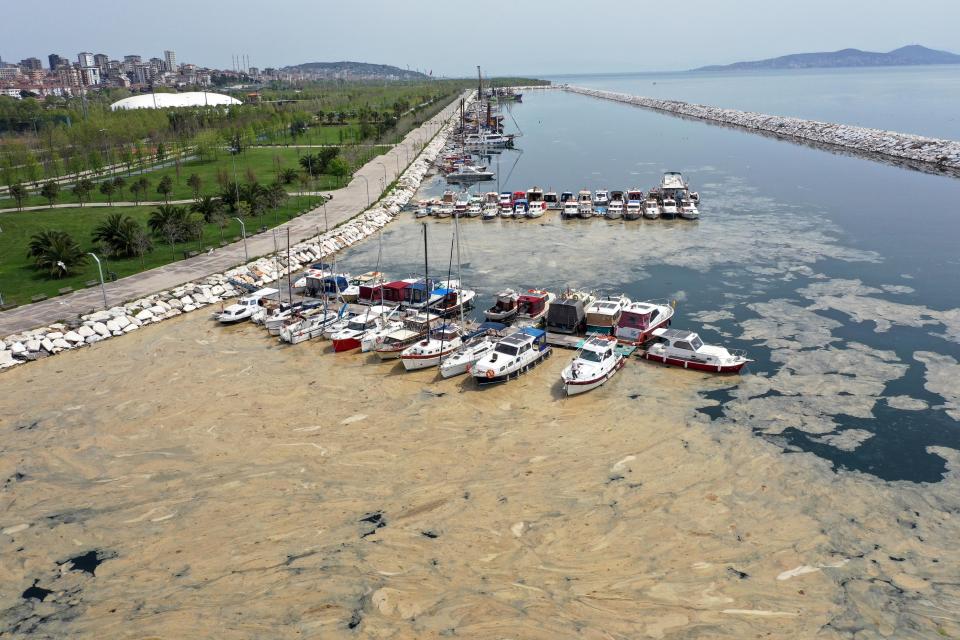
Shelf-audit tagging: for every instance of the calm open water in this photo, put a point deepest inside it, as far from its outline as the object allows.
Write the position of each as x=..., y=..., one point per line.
x=837, y=274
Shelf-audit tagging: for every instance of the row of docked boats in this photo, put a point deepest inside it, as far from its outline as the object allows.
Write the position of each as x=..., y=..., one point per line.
x=673, y=199
x=391, y=320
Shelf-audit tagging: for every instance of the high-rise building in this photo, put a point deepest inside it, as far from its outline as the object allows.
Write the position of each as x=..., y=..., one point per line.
x=131, y=60
x=31, y=64
x=90, y=75
x=101, y=60
x=57, y=62
x=85, y=59
x=170, y=59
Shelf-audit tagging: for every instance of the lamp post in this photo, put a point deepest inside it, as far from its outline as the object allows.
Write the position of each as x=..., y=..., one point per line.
x=397, y=158
x=368, y=187
x=384, y=167
x=103, y=287
x=326, y=223
x=243, y=231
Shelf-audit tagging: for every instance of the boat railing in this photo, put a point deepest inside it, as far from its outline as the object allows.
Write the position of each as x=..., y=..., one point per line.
x=738, y=353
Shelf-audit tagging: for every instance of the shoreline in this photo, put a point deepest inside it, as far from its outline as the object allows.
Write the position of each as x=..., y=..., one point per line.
x=27, y=341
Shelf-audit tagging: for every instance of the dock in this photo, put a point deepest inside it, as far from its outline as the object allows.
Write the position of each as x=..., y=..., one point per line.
x=568, y=341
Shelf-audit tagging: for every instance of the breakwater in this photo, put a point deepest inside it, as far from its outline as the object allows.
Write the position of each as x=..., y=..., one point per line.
x=919, y=152
x=119, y=320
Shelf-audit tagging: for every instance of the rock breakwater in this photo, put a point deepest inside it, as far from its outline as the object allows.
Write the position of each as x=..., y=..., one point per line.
x=919, y=152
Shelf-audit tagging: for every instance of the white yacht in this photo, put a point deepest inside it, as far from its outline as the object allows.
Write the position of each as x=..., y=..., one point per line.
x=651, y=209
x=243, y=308
x=689, y=210
x=442, y=342
x=512, y=356
x=615, y=210
x=669, y=208
x=570, y=209
x=596, y=362
x=475, y=346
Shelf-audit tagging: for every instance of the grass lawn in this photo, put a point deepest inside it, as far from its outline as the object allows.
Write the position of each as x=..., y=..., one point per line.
x=263, y=162
x=19, y=281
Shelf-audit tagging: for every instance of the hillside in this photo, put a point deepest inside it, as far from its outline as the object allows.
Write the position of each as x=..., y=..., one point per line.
x=904, y=56
x=355, y=71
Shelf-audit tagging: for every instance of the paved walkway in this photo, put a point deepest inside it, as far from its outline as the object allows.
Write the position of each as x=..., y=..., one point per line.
x=346, y=203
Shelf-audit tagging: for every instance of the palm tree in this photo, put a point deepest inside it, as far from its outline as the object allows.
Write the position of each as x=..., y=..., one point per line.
x=256, y=197
x=120, y=235
x=287, y=176
x=50, y=190
x=56, y=252
x=208, y=207
x=167, y=220
x=107, y=188
x=18, y=192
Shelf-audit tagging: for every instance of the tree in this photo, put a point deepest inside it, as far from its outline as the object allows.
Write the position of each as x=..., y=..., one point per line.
x=310, y=164
x=119, y=235
x=195, y=182
x=229, y=195
x=82, y=189
x=55, y=252
x=161, y=152
x=107, y=188
x=164, y=188
x=18, y=192
x=51, y=191
x=339, y=168
x=119, y=183
x=208, y=207
x=169, y=220
x=276, y=195
x=256, y=196
x=141, y=244
x=139, y=187
x=287, y=176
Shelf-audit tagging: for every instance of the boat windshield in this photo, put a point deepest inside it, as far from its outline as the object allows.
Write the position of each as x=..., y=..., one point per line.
x=357, y=325
x=696, y=343
x=591, y=356
x=506, y=349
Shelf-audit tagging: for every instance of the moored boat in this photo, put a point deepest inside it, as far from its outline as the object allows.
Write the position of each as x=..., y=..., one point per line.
x=570, y=209
x=639, y=319
x=475, y=346
x=651, y=209
x=532, y=306
x=689, y=210
x=512, y=356
x=685, y=349
x=597, y=360
x=552, y=201
x=441, y=342
x=603, y=314
x=504, y=308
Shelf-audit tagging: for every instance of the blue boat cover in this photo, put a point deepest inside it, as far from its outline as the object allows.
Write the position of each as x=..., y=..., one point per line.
x=491, y=326
x=536, y=333
x=443, y=292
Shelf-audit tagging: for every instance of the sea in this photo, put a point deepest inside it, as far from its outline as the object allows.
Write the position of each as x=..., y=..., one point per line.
x=837, y=274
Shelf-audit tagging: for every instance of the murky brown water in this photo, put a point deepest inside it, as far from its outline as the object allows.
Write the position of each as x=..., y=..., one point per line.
x=237, y=488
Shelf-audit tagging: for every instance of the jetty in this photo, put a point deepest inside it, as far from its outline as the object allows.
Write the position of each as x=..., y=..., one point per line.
x=931, y=155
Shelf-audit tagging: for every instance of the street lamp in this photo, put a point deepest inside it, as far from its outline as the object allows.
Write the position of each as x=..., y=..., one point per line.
x=326, y=223
x=103, y=288
x=384, y=167
x=368, y=187
x=243, y=231
x=397, y=158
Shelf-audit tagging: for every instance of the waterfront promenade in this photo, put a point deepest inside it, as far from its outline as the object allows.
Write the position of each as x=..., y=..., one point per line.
x=367, y=185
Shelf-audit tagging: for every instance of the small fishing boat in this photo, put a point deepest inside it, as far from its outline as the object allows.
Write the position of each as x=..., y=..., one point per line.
x=634, y=210
x=349, y=337
x=533, y=305
x=689, y=210
x=442, y=341
x=506, y=201
x=391, y=323
x=414, y=329
x=570, y=209
x=504, y=308
x=444, y=211
x=552, y=201
x=668, y=209
x=585, y=204
x=566, y=197
x=604, y=313
x=461, y=205
x=615, y=210
x=596, y=362
x=490, y=211
x=243, y=308
x=651, y=209
x=451, y=301
x=422, y=210
x=685, y=349
x=639, y=319
x=601, y=198
x=520, y=208
x=506, y=212
x=475, y=346
x=352, y=293
x=474, y=210
x=536, y=209
x=512, y=357
x=469, y=174
x=307, y=326
x=276, y=320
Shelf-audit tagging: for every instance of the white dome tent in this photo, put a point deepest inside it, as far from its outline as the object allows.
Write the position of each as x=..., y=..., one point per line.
x=171, y=100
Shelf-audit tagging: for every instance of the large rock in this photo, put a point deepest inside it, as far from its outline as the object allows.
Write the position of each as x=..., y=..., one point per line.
x=32, y=345
x=85, y=331
x=94, y=338
x=7, y=359
x=17, y=347
x=144, y=316
x=60, y=343
x=47, y=345
x=73, y=336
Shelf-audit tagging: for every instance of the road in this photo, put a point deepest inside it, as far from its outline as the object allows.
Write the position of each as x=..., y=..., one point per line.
x=346, y=203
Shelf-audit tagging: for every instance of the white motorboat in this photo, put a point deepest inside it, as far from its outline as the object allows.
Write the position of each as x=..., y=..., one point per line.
x=444, y=211
x=469, y=173
x=490, y=211
x=585, y=204
x=276, y=320
x=615, y=210
x=570, y=209
x=651, y=209
x=533, y=305
x=481, y=140
x=351, y=335
x=512, y=356
x=505, y=307
x=634, y=210
x=520, y=208
x=601, y=198
x=669, y=208
x=475, y=346
x=474, y=210
x=596, y=362
x=369, y=340
x=689, y=210
x=685, y=349
x=243, y=308
x=442, y=341
x=639, y=319
x=536, y=209
x=603, y=314
x=307, y=327
x=553, y=202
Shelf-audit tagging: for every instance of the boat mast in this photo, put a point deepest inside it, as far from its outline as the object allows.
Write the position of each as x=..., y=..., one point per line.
x=426, y=276
x=456, y=228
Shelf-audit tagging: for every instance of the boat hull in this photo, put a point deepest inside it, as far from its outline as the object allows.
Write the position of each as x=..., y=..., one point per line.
x=346, y=344
x=415, y=362
x=602, y=330
x=696, y=365
x=576, y=387
x=485, y=381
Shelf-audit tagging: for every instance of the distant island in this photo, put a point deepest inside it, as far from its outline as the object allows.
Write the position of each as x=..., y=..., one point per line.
x=904, y=56
x=347, y=70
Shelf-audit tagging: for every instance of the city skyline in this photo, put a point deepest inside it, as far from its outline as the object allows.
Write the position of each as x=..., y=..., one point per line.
x=703, y=33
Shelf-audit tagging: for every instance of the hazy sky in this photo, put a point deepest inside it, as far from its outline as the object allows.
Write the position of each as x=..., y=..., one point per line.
x=451, y=37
